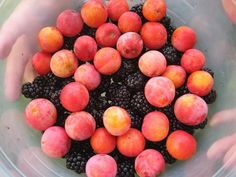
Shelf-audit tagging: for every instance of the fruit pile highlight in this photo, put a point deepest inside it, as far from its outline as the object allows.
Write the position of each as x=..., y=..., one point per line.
x=119, y=90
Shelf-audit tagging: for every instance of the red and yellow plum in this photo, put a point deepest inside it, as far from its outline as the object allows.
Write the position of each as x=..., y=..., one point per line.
x=41, y=63
x=116, y=8
x=40, y=114
x=129, y=22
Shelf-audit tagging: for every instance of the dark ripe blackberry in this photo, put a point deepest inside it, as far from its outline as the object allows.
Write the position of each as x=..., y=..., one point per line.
x=78, y=156
x=62, y=114
x=66, y=81
x=211, y=97
x=40, y=81
x=105, y=84
x=177, y=125
x=98, y=116
x=140, y=104
x=181, y=91
x=55, y=98
x=125, y=168
x=171, y=54
x=32, y=91
x=166, y=21
x=52, y=80
x=168, y=158
x=138, y=9
x=136, y=120
x=170, y=29
x=136, y=81
x=120, y=75
x=119, y=96
x=209, y=71
x=69, y=42
x=88, y=31
x=168, y=111
x=48, y=91
x=201, y=125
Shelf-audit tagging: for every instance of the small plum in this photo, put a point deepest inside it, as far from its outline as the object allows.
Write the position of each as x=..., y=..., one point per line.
x=200, y=83
x=181, y=145
x=107, y=35
x=70, y=23
x=129, y=22
x=159, y=91
x=80, y=126
x=176, y=74
x=116, y=120
x=132, y=143
x=101, y=165
x=183, y=38
x=154, y=10
x=55, y=142
x=40, y=114
x=152, y=41
x=50, y=39
x=116, y=8
x=193, y=60
x=149, y=163
x=130, y=45
x=94, y=13
x=107, y=61
x=63, y=63
x=41, y=63
x=74, y=97
x=155, y=126
x=85, y=48
x=152, y=63
x=102, y=141
x=87, y=75
x=190, y=109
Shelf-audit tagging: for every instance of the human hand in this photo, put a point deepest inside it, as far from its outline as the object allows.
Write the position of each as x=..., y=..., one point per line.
x=18, y=39
x=224, y=148
x=230, y=9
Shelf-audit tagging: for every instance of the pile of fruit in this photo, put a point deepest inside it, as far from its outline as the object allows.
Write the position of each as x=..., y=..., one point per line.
x=119, y=91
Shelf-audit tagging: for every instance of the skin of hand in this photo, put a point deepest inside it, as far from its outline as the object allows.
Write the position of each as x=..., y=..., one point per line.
x=230, y=9
x=18, y=39
x=224, y=148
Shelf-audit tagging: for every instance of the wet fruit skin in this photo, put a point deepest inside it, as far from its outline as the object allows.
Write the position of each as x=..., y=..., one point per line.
x=132, y=143
x=40, y=114
x=41, y=63
x=116, y=8
x=176, y=74
x=155, y=126
x=159, y=91
x=80, y=126
x=70, y=23
x=95, y=166
x=55, y=142
x=152, y=63
x=130, y=45
x=87, y=75
x=94, y=13
x=193, y=60
x=183, y=38
x=181, y=145
x=107, y=35
x=156, y=41
x=63, y=63
x=149, y=163
x=200, y=83
x=107, y=61
x=116, y=120
x=85, y=48
x=129, y=22
x=154, y=10
x=50, y=39
x=102, y=141
x=74, y=97
x=190, y=109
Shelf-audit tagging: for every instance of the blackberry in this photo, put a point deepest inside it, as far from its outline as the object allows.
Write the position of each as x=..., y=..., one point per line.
x=168, y=158
x=104, y=85
x=177, y=125
x=181, y=91
x=40, y=81
x=211, y=97
x=32, y=91
x=209, y=71
x=119, y=96
x=166, y=21
x=130, y=65
x=48, y=91
x=136, y=120
x=138, y=9
x=168, y=111
x=61, y=118
x=78, y=156
x=171, y=54
x=120, y=75
x=69, y=42
x=125, y=168
x=97, y=114
x=55, y=98
x=52, y=80
x=136, y=81
x=170, y=29
x=97, y=102
x=65, y=82
x=140, y=104
x=88, y=31
x=201, y=125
